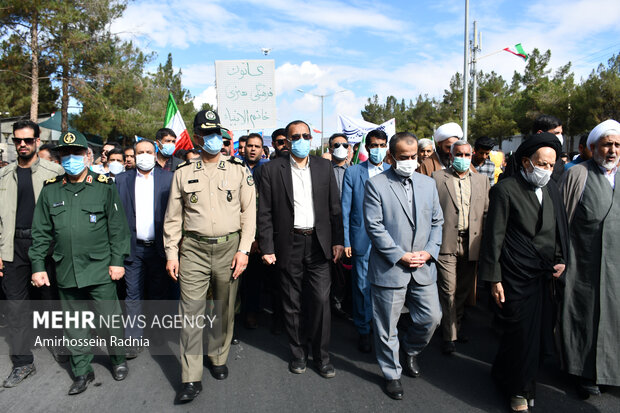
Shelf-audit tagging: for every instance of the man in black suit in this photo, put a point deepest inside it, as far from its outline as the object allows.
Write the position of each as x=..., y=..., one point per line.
x=299, y=230
x=144, y=192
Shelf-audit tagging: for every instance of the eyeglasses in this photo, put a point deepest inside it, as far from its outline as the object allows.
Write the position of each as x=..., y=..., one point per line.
x=226, y=143
x=27, y=141
x=280, y=141
x=298, y=136
x=344, y=145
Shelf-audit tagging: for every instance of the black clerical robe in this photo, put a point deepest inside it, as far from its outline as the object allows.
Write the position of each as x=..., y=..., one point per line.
x=521, y=243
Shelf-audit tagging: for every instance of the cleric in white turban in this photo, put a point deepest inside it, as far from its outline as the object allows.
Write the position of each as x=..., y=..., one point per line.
x=591, y=307
x=444, y=136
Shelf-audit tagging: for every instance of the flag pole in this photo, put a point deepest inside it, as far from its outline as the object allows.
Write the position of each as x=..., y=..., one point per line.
x=465, y=71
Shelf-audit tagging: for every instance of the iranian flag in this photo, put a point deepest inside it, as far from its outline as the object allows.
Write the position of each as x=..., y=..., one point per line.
x=175, y=122
x=517, y=51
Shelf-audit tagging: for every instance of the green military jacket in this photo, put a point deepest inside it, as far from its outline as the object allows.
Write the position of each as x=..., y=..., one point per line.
x=88, y=225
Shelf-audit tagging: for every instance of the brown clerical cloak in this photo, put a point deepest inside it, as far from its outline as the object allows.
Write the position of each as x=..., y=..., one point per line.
x=591, y=309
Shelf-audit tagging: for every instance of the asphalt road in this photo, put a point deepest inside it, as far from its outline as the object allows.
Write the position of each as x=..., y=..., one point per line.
x=259, y=380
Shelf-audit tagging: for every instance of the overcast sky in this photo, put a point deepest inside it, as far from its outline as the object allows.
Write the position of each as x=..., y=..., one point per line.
x=401, y=48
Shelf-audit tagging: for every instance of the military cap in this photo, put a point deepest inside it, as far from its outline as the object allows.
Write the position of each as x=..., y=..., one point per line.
x=206, y=122
x=226, y=135
x=72, y=139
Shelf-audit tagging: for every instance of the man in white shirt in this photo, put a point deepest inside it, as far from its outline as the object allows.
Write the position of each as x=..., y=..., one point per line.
x=144, y=192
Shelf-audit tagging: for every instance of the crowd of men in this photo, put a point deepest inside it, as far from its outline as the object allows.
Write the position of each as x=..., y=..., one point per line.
x=407, y=233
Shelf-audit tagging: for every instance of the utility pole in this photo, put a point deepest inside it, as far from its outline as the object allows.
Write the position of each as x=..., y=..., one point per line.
x=466, y=70
x=475, y=48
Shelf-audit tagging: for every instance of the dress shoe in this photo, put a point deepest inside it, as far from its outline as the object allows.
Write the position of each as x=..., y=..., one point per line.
x=132, y=352
x=119, y=371
x=251, y=321
x=519, y=404
x=587, y=388
x=297, y=366
x=411, y=367
x=80, y=383
x=234, y=341
x=219, y=372
x=394, y=389
x=448, y=347
x=190, y=391
x=326, y=370
x=18, y=374
x=363, y=344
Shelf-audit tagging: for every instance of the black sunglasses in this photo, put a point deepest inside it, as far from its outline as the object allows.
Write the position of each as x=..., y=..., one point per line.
x=344, y=145
x=298, y=136
x=226, y=143
x=280, y=141
x=27, y=141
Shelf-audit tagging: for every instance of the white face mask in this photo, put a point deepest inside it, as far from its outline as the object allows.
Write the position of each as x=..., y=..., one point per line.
x=145, y=161
x=406, y=168
x=116, y=167
x=341, y=153
x=538, y=177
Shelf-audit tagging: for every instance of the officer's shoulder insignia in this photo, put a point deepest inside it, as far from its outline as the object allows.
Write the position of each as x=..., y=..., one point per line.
x=221, y=165
x=51, y=181
x=236, y=160
x=181, y=165
x=250, y=180
x=103, y=179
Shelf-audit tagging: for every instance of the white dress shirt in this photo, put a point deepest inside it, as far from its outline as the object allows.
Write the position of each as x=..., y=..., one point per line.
x=145, y=207
x=374, y=170
x=303, y=203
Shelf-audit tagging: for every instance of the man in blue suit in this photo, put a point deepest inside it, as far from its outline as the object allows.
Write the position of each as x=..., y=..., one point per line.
x=356, y=241
x=144, y=193
x=403, y=220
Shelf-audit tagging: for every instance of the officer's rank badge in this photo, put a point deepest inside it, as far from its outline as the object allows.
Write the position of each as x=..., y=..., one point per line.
x=250, y=180
x=229, y=196
x=221, y=165
x=193, y=198
x=93, y=218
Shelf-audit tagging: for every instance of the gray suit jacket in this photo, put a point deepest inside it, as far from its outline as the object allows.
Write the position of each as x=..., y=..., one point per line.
x=394, y=229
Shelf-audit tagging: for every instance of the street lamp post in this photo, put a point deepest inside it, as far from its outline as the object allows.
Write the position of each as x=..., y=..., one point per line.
x=322, y=109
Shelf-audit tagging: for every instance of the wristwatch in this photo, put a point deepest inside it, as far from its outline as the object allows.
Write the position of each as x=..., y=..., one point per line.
x=245, y=252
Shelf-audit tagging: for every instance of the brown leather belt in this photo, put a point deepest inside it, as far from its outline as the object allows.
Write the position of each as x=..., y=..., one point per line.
x=303, y=231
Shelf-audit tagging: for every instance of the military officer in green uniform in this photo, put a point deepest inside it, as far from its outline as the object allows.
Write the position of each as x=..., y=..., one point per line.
x=81, y=214
x=208, y=231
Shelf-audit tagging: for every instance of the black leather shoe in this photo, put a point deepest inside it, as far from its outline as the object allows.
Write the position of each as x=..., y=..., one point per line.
x=190, y=391
x=448, y=347
x=297, y=366
x=219, y=372
x=363, y=344
x=394, y=389
x=120, y=371
x=411, y=367
x=326, y=370
x=80, y=383
x=18, y=374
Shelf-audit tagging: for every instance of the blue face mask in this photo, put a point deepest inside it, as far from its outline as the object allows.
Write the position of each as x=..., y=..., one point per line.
x=73, y=164
x=213, y=143
x=461, y=164
x=167, y=149
x=377, y=155
x=301, y=147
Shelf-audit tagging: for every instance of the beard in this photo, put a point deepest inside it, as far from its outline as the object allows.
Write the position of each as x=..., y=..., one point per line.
x=26, y=157
x=609, y=165
x=282, y=152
